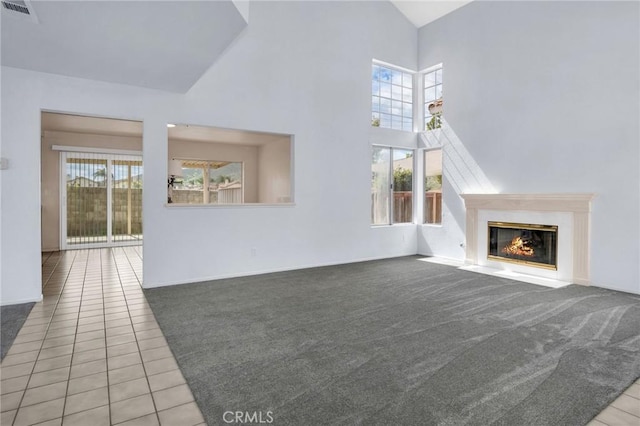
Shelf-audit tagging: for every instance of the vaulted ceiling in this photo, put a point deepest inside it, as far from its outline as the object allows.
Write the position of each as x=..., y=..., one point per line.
x=165, y=45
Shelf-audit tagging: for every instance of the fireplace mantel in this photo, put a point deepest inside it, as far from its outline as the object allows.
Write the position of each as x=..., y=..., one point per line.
x=578, y=205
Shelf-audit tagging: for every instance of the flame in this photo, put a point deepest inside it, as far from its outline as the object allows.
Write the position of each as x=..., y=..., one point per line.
x=518, y=247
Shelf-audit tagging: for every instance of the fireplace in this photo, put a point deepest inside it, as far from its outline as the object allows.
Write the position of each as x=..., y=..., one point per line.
x=564, y=260
x=527, y=244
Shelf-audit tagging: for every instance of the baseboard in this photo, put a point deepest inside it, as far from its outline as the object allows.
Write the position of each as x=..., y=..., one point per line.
x=268, y=271
x=20, y=301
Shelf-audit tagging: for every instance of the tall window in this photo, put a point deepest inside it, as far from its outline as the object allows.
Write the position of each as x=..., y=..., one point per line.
x=433, y=186
x=391, y=186
x=209, y=182
x=433, y=98
x=392, y=98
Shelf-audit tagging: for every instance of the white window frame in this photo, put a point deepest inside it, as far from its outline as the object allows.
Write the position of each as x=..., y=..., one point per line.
x=413, y=96
x=391, y=185
x=422, y=87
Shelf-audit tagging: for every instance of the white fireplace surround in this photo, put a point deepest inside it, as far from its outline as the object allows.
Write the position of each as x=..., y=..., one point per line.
x=570, y=212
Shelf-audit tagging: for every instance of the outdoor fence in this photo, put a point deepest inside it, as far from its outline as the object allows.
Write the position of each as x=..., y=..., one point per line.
x=87, y=211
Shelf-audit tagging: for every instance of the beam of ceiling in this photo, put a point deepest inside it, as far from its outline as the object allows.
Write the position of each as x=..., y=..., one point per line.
x=420, y=13
x=165, y=45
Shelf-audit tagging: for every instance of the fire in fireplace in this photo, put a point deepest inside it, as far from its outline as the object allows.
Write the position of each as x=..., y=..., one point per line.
x=533, y=245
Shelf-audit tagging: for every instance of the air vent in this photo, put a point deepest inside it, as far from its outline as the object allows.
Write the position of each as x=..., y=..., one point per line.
x=16, y=6
x=19, y=9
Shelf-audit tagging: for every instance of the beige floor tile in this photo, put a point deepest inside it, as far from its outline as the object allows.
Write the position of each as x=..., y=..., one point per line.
x=614, y=417
x=595, y=422
x=131, y=408
x=160, y=366
x=39, y=412
x=91, y=313
x=156, y=353
x=86, y=400
x=122, y=361
x=52, y=363
x=120, y=339
x=49, y=377
x=24, y=347
x=32, y=320
x=129, y=389
x=18, y=370
x=88, y=356
x=61, y=332
x=94, y=417
x=166, y=380
x=148, y=420
x=113, y=314
x=183, y=415
x=123, y=349
x=19, y=358
x=116, y=331
x=629, y=404
x=148, y=334
x=87, y=383
x=44, y=393
x=58, y=341
x=146, y=326
x=118, y=323
x=31, y=337
x=6, y=418
x=10, y=401
x=89, y=345
x=91, y=327
x=172, y=397
x=64, y=316
x=125, y=374
x=33, y=329
x=90, y=335
x=633, y=391
x=152, y=343
x=91, y=320
x=54, y=422
x=88, y=368
x=63, y=324
x=55, y=352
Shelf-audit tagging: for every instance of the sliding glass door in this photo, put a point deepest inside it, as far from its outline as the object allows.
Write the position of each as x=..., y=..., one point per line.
x=101, y=200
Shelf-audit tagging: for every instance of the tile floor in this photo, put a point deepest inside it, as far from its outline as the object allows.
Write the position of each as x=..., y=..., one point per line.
x=91, y=353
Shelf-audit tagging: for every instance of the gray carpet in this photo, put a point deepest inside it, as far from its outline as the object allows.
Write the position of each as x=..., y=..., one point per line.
x=11, y=319
x=400, y=342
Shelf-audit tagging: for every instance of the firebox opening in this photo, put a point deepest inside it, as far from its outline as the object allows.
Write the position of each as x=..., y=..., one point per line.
x=533, y=245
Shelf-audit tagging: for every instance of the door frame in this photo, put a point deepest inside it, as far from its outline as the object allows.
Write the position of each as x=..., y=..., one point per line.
x=109, y=155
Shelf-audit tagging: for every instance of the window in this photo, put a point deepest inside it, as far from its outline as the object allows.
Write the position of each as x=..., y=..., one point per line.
x=217, y=166
x=391, y=186
x=433, y=186
x=224, y=183
x=432, y=82
x=392, y=98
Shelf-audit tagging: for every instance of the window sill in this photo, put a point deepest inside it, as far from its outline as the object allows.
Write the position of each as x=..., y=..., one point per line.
x=390, y=225
x=432, y=225
x=226, y=206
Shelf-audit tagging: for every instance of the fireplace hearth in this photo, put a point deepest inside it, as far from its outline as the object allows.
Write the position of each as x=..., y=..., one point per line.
x=527, y=244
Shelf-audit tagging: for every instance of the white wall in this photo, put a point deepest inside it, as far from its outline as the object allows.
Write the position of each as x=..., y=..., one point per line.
x=300, y=68
x=274, y=171
x=543, y=97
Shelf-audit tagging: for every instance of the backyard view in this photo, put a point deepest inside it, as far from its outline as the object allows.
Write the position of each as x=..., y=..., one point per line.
x=93, y=216
x=224, y=183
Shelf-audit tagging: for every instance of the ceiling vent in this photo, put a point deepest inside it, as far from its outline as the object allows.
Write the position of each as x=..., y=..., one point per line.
x=19, y=9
